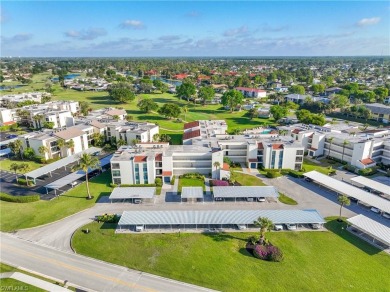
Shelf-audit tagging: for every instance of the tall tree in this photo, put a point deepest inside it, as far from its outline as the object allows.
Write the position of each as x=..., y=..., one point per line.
x=265, y=224
x=147, y=105
x=186, y=89
x=170, y=110
x=330, y=144
x=43, y=150
x=16, y=148
x=87, y=162
x=24, y=168
x=278, y=112
x=232, y=98
x=15, y=167
x=70, y=145
x=206, y=93
x=298, y=89
x=185, y=111
x=343, y=201
x=121, y=92
x=345, y=143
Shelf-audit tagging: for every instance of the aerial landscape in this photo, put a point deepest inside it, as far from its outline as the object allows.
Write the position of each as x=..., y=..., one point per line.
x=195, y=146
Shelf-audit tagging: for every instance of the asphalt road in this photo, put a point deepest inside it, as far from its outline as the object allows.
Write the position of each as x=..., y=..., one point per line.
x=83, y=272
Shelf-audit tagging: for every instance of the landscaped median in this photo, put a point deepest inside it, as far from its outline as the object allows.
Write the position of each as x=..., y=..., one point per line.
x=313, y=261
x=15, y=216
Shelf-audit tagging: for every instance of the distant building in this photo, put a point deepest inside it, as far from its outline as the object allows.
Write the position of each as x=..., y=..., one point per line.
x=252, y=92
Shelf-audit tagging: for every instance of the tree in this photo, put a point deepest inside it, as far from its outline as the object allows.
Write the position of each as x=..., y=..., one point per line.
x=97, y=139
x=298, y=89
x=170, y=110
x=87, y=162
x=264, y=224
x=16, y=147
x=236, y=131
x=70, y=145
x=318, y=88
x=115, y=117
x=163, y=87
x=146, y=85
x=232, y=177
x=121, y=92
x=156, y=137
x=14, y=167
x=343, y=201
x=147, y=105
x=217, y=165
x=232, y=98
x=186, y=90
x=37, y=119
x=84, y=108
x=129, y=118
x=24, y=168
x=381, y=93
x=340, y=101
x=165, y=138
x=185, y=111
x=206, y=93
x=60, y=144
x=43, y=150
x=330, y=144
x=345, y=143
x=278, y=112
x=252, y=113
x=122, y=142
x=48, y=125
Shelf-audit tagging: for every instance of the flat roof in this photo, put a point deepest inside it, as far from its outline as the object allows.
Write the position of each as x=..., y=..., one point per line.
x=245, y=192
x=372, y=184
x=219, y=217
x=132, y=193
x=371, y=227
x=60, y=163
x=192, y=192
x=349, y=190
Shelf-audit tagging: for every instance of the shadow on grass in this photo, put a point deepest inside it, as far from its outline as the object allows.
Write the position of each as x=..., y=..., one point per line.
x=244, y=252
x=340, y=229
x=222, y=236
x=106, y=225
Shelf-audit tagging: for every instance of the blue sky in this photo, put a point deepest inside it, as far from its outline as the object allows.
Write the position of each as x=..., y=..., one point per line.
x=194, y=28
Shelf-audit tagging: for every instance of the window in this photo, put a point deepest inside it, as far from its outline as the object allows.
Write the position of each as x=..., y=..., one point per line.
x=280, y=159
x=116, y=173
x=299, y=152
x=298, y=166
x=273, y=159
x=300, y=159
x=117, y=181
x=145, y=167
x=115, y=166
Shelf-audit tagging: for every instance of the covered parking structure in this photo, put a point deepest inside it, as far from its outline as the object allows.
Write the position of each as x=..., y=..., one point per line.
x=240, y=193
x=372, y=184
x=192, y=194
x=371, y=230
x=64, y=162
x=349, y=190
x=133, y=194
x=209, y=220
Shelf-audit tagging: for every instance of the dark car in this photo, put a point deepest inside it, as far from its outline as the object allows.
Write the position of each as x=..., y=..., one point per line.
x=12, y=136
x=308, y=179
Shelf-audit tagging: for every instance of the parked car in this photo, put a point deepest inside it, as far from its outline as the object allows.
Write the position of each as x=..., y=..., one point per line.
x=139, y=228
x=241, y=226
x=291, y=226
x=375, y=210
x=315, y=226
x=353, y=199
x=261, y=199
x=386, y=215
x=137, y=201
x=308, y=179
x=249, y=199
x=278, y=227
x=218, y=199
x=12, y=136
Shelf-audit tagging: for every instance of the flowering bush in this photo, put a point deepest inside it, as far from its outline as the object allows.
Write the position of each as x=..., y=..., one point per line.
x=268, y=253
x=219, y=183
x=261, y=252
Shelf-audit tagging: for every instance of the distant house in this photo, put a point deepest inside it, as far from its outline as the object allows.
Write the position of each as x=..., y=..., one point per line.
x=380, y=112
x=180, y=76
x=281, y=89
x=263, y=113
x=252, y=92
x=332, y=90
x=297, y=98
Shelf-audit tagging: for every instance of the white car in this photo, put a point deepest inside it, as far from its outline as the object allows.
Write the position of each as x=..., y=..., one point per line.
x=278, y=227
x=386, y=215
x=375, y=210
x=315, y=226
x=261, y=199
x=291, y=226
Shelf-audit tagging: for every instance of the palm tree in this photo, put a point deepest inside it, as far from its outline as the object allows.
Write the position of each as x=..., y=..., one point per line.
x=121, y=142
x=156, y=137
x=265, y=224
x=24, y=168
x=60, y=144
x=185, y=111
x=43, y=150
x=16, y=147
x=70, y=145
x=330, y=144
x=345, y=143
x=87, y=162
x=216, y=165
x=37, y=119
x=232, y=177
x=15, y=167
x=115, y=117
x=133, y=142
x=343, y=200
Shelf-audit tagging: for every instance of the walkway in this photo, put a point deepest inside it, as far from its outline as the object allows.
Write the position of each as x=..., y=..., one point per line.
x=33, y=281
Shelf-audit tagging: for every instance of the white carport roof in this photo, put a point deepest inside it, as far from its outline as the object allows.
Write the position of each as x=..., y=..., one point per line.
x=192, y=192
x=5, y=151
x=245, y=192
x=349, y=190
x=371, y=227
x=219, y=217
x=122, y=193
x=59, y=163
x=372, y=184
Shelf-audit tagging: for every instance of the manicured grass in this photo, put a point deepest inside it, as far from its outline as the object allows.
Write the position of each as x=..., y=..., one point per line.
x=9, y=284
x=190, y=182
x=15, y=216
x=6, y=163
x=314, y=261
x=248, y=180
x=286, y=200
x=321, y=167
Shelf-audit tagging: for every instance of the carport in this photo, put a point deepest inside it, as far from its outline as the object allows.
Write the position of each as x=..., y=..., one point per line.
x=64, y=162
x=375, y=230
x=192, y=194
x=133, y=194
x=372, y=184
x=249, y=193
x=349, y=190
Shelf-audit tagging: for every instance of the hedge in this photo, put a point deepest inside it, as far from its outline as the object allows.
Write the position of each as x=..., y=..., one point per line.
x=19, y=199
x=271, y=173
x=128, y=185
x=23, y=182
x=108, y=218
x=172, y=181
x=368, y=171
x=192, y=175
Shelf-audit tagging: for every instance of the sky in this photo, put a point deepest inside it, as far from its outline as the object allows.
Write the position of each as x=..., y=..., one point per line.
x=194, y=28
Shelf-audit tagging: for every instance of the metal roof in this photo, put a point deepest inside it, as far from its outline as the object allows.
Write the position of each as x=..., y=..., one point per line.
x=60, y=163
x=349, y=190
x=371, y=227
x=132, y=193
x=191, y=192
x=245, y=191
x=5, y=151
x=372, y=184
x=219, y=217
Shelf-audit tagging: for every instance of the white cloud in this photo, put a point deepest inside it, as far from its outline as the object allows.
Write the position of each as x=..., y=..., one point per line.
x=368, y=21
x=17, y=38
x=89, y=34
x=131, y=23
x=242, y=30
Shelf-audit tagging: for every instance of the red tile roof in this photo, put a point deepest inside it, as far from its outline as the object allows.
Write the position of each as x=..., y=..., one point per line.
x=191, y=125
x=167, y=173
x=139, y=158
x=9, y=123
x=260, y=146
x=252, y=159
x=158, y=157
x=226, y=167
x=277, y=146
x=296, y=131
x=203, y=77
x=249, y=89
x=151, y=72
x=180, y=76
x=367, y=161
x=191, y=134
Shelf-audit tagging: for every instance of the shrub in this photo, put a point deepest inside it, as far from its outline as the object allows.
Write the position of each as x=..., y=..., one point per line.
x=108, y=218
x=275, y=254
x=158, y=182
x=113, y=185
x=173, y=181
x=219, y=183
x=23, y=182
x=368, y=171
x=137, y=185
x=295, y=173
x=273, y=173
x=19, y=199
x=192, y=175
x=260, y=252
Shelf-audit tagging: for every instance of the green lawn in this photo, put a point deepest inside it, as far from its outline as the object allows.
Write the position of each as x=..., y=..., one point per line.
x=286, y=200
x=314, y=261
x=9, y=284
x=248, y=180
x=190, y=182
x=6, y=163
x=322, y=167
x=15, y=216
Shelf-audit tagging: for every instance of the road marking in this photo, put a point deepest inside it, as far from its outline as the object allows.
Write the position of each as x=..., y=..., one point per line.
x=70, y=267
